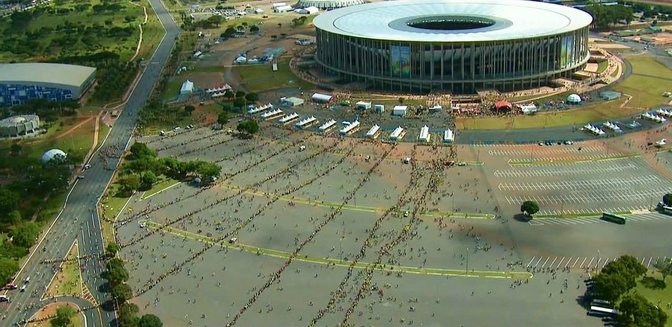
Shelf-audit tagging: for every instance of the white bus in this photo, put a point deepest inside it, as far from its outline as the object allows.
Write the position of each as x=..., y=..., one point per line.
x=601, y=312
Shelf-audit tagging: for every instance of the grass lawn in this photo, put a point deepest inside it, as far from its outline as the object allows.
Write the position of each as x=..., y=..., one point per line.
x=76, y=321
x=102, y=133
x=646, y=85
x=258, y=78
x=656, y=295
x=172, y=89
x=68, y=280
x=152, y=33
x=602, y=66
x=158, y=187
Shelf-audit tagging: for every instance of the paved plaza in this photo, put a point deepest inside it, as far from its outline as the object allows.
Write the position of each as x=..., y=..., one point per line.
x=344, y=231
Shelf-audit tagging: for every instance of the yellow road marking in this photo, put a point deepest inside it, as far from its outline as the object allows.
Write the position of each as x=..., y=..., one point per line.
x=338, y=262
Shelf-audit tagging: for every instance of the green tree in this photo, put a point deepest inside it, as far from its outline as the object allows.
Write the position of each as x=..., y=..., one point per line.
x=128, y=315
x=129, y=183
x=667, y=199
x=252, y=97
x=222, y=118
x=208, y=170
x=150, y=320
x=229, y=94
x=63, y=316
x=254, y=28
x=25, y=234
x=121, y=293
x=664, y=267
x=240, y=94
x=610, y=287
x=147, y=180
x=239, y=102
x=9, y=200
x=115, y=272
x=530, y=207
x=12, y=218
x=189, y=109
x=141, y=150
x=112, y=249
x=15, y=149
x=248, y=126
x=636, y=311
x=8, y=267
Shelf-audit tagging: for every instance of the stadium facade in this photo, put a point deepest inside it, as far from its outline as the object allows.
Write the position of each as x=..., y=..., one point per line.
x=457, y=46
x=54, y=82
x=329, y=4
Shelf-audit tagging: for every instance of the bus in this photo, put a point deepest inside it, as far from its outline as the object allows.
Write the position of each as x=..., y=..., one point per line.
x=613, y=218
x=601, y=312
x=601, y=303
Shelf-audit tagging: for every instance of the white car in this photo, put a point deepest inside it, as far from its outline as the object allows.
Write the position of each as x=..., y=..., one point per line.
x=661, y=142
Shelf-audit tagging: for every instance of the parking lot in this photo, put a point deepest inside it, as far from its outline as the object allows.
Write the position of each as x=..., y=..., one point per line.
x=344, y=230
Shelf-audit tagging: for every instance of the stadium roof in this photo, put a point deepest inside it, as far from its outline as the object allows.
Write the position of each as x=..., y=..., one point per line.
x=49, y=73
x=505, y=20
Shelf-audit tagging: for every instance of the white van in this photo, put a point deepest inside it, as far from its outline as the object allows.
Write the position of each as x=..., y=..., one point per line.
x=4, y=298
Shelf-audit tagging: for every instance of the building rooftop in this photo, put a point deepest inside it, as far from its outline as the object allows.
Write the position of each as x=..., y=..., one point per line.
x=63, y=74
x=452, y=20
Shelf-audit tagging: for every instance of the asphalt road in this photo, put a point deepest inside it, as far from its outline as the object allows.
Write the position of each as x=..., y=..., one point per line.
x=79, y=219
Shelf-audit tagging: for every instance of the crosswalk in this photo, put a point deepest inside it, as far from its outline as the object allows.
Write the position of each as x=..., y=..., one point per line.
x=527, y=150
x=652, y=216
x=596, y=262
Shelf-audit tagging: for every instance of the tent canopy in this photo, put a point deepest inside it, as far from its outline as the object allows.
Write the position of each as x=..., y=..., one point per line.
x=573, y=98
x=503, y=105
x=187, y=87
x=319, y=97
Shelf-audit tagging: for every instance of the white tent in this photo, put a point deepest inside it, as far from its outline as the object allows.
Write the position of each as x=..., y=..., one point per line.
x=187, y=87
x=310, y=10
x=373, y=132
x=363, y=105
x=528, y=109
x=319, y=97
x=282, y=9
x=448, y=136
x=397, y=134
x=350, y=128
x=574, y=98
x=379, y=108
x=424, y=134
x=399, y=110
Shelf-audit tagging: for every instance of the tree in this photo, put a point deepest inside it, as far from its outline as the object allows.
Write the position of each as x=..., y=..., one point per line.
x=150, y=320
x=8, y=267
x=122, y=293
x=222, y=118
x=401, y=100
x=252, y=97
x=63, y=316
x=9, y=200
x=617, y=277
x=667, y=199
x=12, y=218
x=115, y=272
x=141, y=150
x=229, y=94
x=112, y=249
x=610, y=287
x=147, y=180
x=208, y=170
x=254, y=28
x=128, y=315
x=664, y=267
x=530, y=207
x=25, y=234
x=239, y=102
x=129, y=183
x=189, y=109
x=240, y=94
x=15, y=149
x=636, y=311
x=249, y=127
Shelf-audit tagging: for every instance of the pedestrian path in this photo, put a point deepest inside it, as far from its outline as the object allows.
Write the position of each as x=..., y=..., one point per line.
x=595, y=262
x=584, y=168
x=652, y=216
x=526, y=150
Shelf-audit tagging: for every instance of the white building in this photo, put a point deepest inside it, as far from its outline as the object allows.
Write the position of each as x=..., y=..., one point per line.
x=374, y=132
x=424, y=134
x=291, y=101
x=271, y=114
x=306, y=122
x=399, y=111
x=288, y=118
x=349, y=129
x=319, y=97
x=282, y=9
x=448, y=136
x=379, y=108
x=187, y=88
x=327, y=126
x=397, y=134
x=363, y=105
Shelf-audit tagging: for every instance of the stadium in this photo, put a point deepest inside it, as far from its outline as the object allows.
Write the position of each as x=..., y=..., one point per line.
x=328, y=4
x=456, y=46
x=55, y=82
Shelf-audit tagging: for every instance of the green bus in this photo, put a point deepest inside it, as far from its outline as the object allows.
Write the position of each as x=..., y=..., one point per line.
x=613, y=218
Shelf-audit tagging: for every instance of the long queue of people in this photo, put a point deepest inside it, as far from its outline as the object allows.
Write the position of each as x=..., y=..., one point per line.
x=330, y=217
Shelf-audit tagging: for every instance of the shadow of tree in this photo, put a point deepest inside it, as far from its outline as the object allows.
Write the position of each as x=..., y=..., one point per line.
x=653, y=283
x=522, y=218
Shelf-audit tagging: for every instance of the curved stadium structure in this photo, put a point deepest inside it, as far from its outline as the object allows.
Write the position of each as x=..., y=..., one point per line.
x=329, y=4
x=453, y=45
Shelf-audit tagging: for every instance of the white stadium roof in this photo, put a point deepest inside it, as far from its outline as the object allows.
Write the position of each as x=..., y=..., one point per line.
x=510, y=19
x=49, y=73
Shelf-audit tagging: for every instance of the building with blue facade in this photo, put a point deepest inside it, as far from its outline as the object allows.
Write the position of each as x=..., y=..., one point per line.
x=22, y=82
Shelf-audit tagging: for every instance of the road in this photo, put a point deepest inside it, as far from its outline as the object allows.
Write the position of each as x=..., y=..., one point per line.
x=79, y=219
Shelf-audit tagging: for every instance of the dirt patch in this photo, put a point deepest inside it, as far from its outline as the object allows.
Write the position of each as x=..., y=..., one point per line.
x=205, y=80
